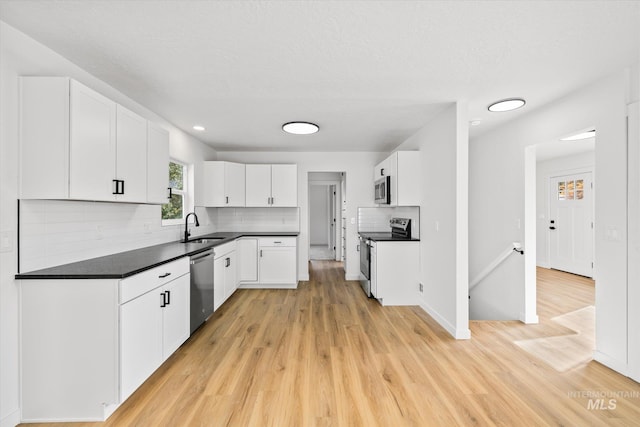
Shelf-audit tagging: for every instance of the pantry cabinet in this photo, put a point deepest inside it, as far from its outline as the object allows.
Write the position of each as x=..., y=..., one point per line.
x=272, y=185
x=222, y=184
x=78, y=144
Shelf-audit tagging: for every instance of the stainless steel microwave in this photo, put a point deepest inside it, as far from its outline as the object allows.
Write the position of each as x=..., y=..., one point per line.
x=383, y=190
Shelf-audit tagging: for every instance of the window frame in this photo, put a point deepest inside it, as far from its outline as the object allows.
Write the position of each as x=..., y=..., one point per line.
x=186, y=193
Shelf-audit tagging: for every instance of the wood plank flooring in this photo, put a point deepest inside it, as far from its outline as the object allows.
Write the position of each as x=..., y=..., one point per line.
x=325, y=355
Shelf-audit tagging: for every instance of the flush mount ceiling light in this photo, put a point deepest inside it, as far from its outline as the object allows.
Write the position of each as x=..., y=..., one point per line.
x=300, y=128
x=582, y=135
x=198, y=127
x=506, y=105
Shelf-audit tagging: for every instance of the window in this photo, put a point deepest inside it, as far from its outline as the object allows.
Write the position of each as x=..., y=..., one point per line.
x=174, y=211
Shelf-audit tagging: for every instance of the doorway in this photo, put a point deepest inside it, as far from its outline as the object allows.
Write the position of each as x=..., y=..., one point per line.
x=325, y=215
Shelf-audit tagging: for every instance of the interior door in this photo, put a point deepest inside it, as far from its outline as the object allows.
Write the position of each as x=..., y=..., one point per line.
x=571, y=224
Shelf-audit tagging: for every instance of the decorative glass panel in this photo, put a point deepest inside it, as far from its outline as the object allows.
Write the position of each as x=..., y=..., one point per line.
x=570, y=187
x=561, y=190
x=579, y=189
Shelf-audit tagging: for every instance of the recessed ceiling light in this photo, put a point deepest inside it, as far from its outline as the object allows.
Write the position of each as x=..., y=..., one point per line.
x=300, y=128
x=582, y=135
x=506, y=105
x=198, y=127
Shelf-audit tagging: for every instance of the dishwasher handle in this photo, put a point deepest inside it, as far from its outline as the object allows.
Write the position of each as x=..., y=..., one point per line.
x=201, y=257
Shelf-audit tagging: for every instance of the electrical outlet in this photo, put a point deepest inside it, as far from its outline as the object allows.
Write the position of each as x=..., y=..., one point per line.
x=420, y=287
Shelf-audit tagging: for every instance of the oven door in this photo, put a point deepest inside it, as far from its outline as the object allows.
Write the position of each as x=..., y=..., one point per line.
x=365, y=258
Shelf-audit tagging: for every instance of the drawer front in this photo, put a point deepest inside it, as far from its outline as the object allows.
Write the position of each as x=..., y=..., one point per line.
x=141, y=283
x=277, y=241
x=224, y=249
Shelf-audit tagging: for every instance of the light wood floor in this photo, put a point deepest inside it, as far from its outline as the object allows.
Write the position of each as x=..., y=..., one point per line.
x=325, y=355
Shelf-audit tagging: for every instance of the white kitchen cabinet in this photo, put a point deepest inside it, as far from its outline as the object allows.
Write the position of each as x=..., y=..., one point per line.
x=87, y=344
x=222, y=184
x=224, y=273
x=404, y=169
x=77, y=144
x=277, y=262
x=157, y=164
x=395, y=272
x=247, y=250
x=272, y=185
x=131, y=156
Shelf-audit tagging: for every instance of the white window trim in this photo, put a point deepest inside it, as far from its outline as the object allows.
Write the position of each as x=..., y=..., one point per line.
x=187, y=193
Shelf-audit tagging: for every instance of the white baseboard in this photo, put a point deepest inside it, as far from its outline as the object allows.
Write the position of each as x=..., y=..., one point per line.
x=529, y=320
x=352, y=277
x=610, y=362
x=459, y=334
x=268, y=286
x=11, y=420
x=544, y=264
x=303, y=278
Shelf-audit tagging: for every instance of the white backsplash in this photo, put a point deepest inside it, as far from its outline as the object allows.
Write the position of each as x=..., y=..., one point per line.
x=55, y=232
x=258, y=219
x=375, y=220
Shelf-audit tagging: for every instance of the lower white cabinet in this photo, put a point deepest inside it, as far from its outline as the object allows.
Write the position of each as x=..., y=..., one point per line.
x=277, y=261
x=247, y=250
x=224, y=273
x=87, y=344
x=152, y=327
x=395, y=272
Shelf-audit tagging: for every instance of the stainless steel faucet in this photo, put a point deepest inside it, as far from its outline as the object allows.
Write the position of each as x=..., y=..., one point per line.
x=186, y=225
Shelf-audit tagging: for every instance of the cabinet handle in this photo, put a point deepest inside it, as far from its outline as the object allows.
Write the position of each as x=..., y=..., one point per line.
x=382, y=172
x=164, y=301
x=272, y=200
x=168, y=297
x=277, y=242
x=170, y=193
x=227, y=262
x=226, y=200
x=122, y=188
x=164, y=275
x=260, y=253
x=115, y=189
x=358, y=248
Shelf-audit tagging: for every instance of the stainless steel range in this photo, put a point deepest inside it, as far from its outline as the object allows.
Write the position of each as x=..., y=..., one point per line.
x=400, y=230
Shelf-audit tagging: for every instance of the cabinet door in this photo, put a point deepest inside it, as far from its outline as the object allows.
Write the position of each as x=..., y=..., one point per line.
x=284, y=185
x=258, y=185
x=213, y=191
x=175, y=315
x=157, y=164
x=230, y=276
x=92, y=147
x=277, y=265
x=131, y=155
x=247, y=254
x=140, y=340
x=218, y=282
x=234, y=182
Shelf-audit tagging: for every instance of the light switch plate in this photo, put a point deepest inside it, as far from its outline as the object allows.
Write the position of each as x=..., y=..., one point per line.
x=6, y=241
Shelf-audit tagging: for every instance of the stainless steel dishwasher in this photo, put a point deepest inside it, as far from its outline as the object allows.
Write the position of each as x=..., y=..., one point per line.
x=201, y=288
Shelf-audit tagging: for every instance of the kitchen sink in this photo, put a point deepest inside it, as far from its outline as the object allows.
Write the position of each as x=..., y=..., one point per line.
x=206, y=240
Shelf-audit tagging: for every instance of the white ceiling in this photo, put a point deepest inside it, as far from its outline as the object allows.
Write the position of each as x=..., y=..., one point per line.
x=370, y=73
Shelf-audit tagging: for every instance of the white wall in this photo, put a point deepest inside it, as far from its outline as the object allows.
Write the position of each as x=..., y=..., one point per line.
x=21, y=55
x=443, y=145
x=580, y=162
x=358, y=169
x=496, y=206
x=319, y=210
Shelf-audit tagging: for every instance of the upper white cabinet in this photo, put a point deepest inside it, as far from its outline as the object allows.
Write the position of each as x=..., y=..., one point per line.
x=157, y=164
x=77, y=144
x=272, y=185
x=404, y=169
x=222, y=184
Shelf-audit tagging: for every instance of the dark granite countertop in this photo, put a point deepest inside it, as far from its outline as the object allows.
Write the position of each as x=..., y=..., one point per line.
x=125, y=264
x=386, y=237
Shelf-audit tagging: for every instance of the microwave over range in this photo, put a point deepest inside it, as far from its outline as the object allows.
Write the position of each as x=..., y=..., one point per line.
x=383, y=190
